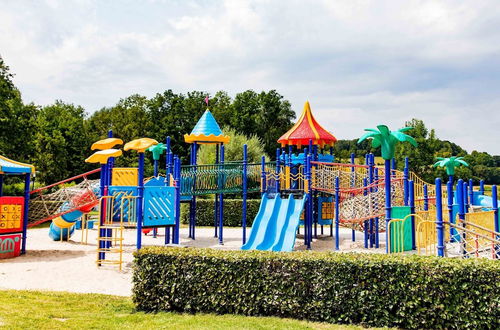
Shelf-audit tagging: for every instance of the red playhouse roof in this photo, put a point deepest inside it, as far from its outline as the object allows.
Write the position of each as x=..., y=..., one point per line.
x=305, y=129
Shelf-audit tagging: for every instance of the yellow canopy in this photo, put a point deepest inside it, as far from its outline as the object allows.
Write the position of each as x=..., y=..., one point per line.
x=103, y=155
x=140, y=145
x=106, y=144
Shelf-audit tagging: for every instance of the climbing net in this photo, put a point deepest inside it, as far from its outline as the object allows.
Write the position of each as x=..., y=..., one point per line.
x=350, y=176
x=360, y=204
x=63, y=197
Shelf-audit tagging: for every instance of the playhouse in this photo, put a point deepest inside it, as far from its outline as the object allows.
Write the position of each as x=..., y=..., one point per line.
x=14, y=210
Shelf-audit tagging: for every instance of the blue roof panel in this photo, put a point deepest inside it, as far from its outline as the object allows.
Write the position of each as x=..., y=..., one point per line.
x=207, y=125
x=9, y=167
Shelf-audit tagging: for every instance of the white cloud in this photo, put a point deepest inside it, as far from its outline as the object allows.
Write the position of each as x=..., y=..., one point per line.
x=360, y=63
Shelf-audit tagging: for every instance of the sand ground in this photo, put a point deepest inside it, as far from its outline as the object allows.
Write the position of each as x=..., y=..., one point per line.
x=71, y=266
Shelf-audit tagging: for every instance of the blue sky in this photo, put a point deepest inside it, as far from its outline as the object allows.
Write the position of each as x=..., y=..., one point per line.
x=359, y=63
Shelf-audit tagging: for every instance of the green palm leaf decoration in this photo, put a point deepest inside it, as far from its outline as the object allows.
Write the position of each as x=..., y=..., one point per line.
x=157, y=150
x=450, y=163
x=387, y=139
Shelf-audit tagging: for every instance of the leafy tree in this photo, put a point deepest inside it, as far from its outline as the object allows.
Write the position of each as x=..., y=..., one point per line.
x=421, y=158
x=266, y=114
x=233, y=151
x=61, y=143
x=17, y=121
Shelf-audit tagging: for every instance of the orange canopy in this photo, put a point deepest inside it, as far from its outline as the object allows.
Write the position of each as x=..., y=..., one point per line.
x=306, y=129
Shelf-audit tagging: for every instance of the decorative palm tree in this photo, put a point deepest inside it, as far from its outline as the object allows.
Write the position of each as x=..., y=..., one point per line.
x=157, y=150
x=450, y=164
x=387, y=141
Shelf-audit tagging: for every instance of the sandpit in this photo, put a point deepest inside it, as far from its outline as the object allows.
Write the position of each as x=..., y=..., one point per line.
x=71, y=266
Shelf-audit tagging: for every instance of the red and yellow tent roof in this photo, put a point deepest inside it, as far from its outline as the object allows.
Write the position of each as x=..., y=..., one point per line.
x=306, y=129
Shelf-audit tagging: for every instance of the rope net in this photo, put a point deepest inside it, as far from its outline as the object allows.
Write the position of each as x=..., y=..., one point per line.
x=63, y=197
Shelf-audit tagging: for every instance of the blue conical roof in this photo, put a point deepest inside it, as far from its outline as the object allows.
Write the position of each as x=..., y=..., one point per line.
x=206, y=131
x=207, y=125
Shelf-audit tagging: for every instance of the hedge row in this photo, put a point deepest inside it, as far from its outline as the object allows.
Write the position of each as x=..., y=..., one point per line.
x=232, y=212
x=366, y=289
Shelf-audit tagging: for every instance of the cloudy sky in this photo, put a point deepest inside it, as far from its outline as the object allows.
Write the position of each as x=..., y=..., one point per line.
x=359, y=63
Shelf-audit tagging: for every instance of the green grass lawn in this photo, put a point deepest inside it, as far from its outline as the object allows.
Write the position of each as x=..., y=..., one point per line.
x=54, y=310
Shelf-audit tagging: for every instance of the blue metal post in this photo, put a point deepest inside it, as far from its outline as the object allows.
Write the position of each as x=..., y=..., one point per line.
x=221, y=200
x=466, y=197
x=377, y=234
x=190, y=225
x=1, y=185
x=193, y=200
x=411, y=191
x=439, y=219
x=494, y=196
x=244, y=211
x=426, y=198
x=111, y=163
x=393, y=165
x=481, y=187
x=216, y=206
x=27, y=179
x=278, y=169
x=449, y=190
x=337, y=213
x=263, y=185
x=140, y=197
x=102, y=190
x=371, y=167
x=167, y=162
x=461, y=205
x=308, y=213
x=366, y=225
x=353, y=173
x=315, y=197
x=406, y=174
x=177, y=180
x=471, y=191
x=387, y=202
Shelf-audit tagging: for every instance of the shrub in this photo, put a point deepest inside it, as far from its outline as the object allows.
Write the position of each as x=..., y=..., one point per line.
x=232, y=212
x=367, y=289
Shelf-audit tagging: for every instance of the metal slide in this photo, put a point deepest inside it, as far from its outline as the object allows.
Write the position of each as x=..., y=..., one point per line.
x=275, y=225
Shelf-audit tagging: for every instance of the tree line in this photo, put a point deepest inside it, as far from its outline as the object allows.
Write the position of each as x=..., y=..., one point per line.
x=56, y=138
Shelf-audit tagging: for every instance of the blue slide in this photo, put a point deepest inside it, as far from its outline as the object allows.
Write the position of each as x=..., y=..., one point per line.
x=275, y=225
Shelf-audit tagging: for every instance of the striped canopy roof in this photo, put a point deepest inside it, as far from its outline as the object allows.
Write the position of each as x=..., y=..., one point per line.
x=9, y=166
x=305, y=130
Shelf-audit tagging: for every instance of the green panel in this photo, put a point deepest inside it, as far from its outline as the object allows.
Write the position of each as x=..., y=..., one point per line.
x=400, y=212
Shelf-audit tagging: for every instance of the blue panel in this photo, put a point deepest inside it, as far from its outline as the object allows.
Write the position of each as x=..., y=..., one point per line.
x=159, y=206
x=118, y=192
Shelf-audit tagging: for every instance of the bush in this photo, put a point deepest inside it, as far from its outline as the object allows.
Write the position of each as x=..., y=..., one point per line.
x=232, y=212
x=368, y=289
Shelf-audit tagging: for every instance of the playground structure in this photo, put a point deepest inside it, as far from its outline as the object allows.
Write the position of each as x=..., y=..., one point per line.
x=303, y=187
x=14, y=210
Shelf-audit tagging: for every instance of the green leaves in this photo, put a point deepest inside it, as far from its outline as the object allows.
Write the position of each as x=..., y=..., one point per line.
x=383, y=137
x=373, y=290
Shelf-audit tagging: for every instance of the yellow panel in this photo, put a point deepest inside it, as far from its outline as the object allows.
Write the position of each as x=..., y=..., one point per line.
x=124, y=176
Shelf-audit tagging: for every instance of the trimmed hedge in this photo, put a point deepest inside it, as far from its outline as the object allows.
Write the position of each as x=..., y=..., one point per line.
x=367, y=289
x=233, y=209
